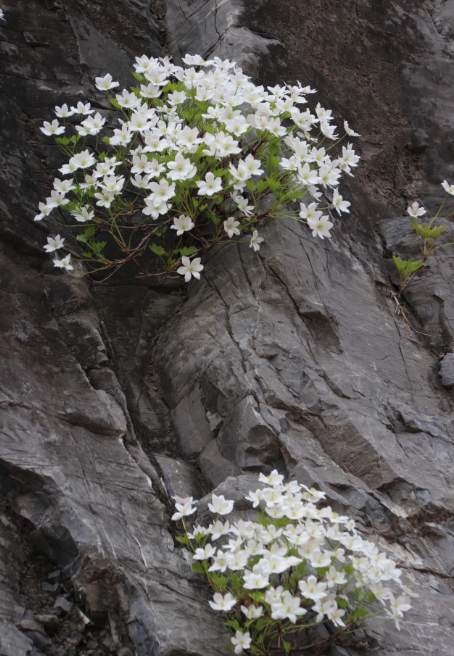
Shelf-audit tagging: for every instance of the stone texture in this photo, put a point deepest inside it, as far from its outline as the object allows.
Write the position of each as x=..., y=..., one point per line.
x=292, y=357
x=447, y=371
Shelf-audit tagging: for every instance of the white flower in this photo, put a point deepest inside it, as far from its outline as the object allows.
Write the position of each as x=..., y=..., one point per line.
x=218, y=529
x=256, y=241
x=253, y=612
x=219, y=563
x=204, y=553
x=209, y=186
x=349, y=131
x=289, y=607
x=182, y=224
x=219, y=505
x=83, y=214
x=311, y=589
x=241, y=641
x=335, y=577
x=82, y=160
x=223, y=602
x=242, y=203
x=181, y=168
x=255, y=497
x=63, y=111
x=105, y=198
x=237, y=561
x=56, y=199
x=80, y=108
x=415, y=211
x=162, y=191
x=50, y=129
x=128, y=99
x=320, y=227
x=105, y=83
x=448, y=188
x=176, y=98
x=254, y=580
x=65, y=263
x=339, y=204
x=231, y=226
x=400, y=605
x=183, y=509
x=63, y=186
x=251, y=165
x=44, y=210
x=190, y=268
x=335, y=614
x=54, y=243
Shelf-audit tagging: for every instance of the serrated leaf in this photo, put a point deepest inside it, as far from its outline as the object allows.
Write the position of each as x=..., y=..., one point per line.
x=187, y=251
x=87, y=234
x=198, y=568
x=97, y=246
x=158, y=250
x=426, y=232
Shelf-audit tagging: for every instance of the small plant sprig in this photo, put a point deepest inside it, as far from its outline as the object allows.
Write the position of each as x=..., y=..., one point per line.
x=297, y=566
x=199, y=155
x=427, y=238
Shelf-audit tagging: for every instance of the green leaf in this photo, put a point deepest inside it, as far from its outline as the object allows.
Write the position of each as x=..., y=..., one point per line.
x=161, y=231
x=64, y=141
x=360, y=594
x=406, y=267
x=261, y=185
x=360, y=612
x=342, y=603
x=97, y=247
x=273, y=184
x=198, y=568
x=139, y=77
x=115, y=103
x=426, y=232
x=183, y=539
x=234, y=624
x=158, y=250
x=256, y=596
x=187, y=251
x=287, y=646
x=87, y=234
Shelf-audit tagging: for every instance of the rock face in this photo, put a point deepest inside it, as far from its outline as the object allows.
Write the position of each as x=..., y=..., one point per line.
x=114, y=396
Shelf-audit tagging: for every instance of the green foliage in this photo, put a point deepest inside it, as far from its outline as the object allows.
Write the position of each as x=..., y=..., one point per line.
x=406, y=268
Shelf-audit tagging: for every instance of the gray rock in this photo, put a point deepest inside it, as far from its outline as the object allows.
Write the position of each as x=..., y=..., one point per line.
x=214, y=466
x=63, y=605
x=180, y=478
x=49, y=621
x=447, y=371
x=301, y=363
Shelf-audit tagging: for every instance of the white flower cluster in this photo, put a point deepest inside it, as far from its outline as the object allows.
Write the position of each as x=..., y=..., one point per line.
x=195, y=146
x=299, y=564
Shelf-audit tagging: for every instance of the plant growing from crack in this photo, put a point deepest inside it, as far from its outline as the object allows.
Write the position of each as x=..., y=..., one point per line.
x=427, y=237
x=296, y=567
x=198, y=156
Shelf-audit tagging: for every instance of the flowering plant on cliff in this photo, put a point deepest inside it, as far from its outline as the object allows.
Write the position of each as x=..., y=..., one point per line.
x=297, y=566
x=191, y=158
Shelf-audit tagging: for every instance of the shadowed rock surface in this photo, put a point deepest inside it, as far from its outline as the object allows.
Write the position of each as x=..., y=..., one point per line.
x=115, y=396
